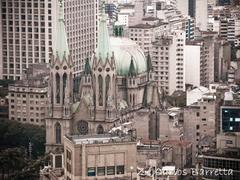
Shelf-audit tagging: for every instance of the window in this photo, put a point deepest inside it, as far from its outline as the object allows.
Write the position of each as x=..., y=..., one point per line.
x=197, y=114
x=110, y=170
x=58, y=133
x=101, y=171
x=197, y=126
x=204, y=119
x=120, y=169
x=58, y=161
x=91, y=171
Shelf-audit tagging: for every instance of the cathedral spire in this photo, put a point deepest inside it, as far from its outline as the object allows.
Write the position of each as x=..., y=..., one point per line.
x=87, y=68
x=132, y=70
x=61, y=48
x=103, y=36
x=149, y=63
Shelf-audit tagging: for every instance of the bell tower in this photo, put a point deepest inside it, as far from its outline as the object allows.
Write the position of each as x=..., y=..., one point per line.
x=104, y=74
x=60, y=88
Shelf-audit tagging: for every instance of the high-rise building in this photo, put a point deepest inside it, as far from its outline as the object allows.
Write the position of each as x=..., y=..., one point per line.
x=145, y=32
x=25, y=34
x=201, y=14
x=192, y=61
x=81, y=26
x=183, y=6
x=26, y=30
x=207, y=60
x=167, y=55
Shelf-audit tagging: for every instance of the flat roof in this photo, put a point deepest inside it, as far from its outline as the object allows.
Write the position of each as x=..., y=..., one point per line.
x=98, y=139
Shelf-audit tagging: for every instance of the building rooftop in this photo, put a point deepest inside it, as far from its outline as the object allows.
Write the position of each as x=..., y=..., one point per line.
x=98, y=139
x=150, y=19
x=147, y=26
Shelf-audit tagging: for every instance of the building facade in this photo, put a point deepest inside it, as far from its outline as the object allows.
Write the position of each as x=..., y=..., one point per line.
x=99, y=157
x=81, y=18
x=28, y=97
x=168, y=61
x=199, y=122
x=26, y=35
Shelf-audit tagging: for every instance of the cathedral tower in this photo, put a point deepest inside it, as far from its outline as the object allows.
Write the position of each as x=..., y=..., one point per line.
x=104, y=74
x=60, y=88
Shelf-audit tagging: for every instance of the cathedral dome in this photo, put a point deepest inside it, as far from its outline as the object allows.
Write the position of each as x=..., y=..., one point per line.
x=124, y=50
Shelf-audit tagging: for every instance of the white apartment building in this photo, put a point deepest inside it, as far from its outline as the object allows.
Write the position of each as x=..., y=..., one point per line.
x=167, y=54
x=192, y=62
x=201, y=14
x=26, y=35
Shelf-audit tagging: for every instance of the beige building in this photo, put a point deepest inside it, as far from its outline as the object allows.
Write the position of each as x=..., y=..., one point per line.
x=28, y=97
x=199, y=122
x=144, y=33
x=99, y=157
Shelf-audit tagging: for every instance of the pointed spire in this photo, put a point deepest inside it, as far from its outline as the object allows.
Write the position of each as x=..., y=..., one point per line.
x=132, y=70
x=155, y=97
x=149, y=63
x=87, y=68
x=61, y=48
x=103, y=36
x=145, y=97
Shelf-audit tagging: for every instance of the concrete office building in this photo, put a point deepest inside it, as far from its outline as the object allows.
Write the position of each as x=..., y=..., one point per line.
x=25, y=34
x=99, y=156
x=225, y=155
x=199, y=122
x=81, y=19
x=26, y=30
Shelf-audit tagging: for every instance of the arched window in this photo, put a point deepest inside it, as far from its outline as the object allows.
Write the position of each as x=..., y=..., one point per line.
x=51, y=90
x=100, y=85
x=133, y=99
x=57, y=88
x=58, y=133
x=100, y=129
x=64, y=85
x=107, y=85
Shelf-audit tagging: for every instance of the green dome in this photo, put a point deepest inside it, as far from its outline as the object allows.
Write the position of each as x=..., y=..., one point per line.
x=124, y=50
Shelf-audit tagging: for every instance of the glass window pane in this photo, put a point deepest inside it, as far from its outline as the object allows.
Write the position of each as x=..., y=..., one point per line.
x=110, y=170
x=91, y=171
x=101, y=171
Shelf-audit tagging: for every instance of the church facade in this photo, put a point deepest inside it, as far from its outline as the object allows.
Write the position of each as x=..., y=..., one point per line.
x=116, y=87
